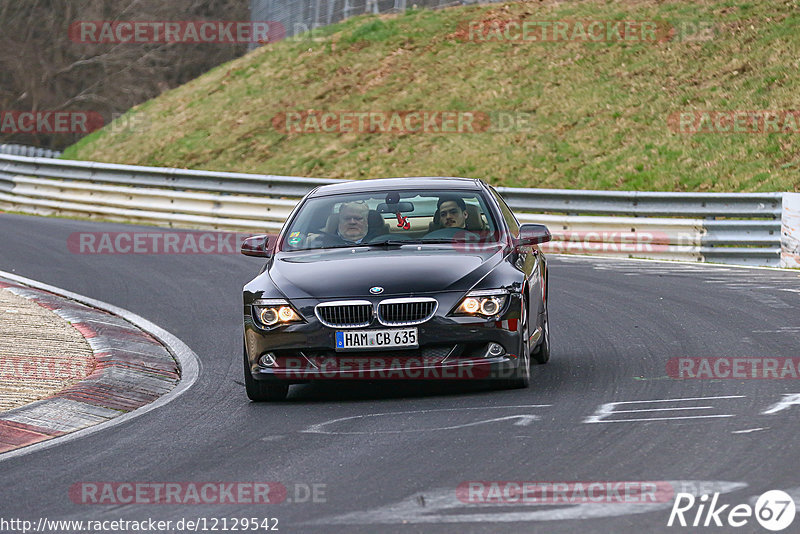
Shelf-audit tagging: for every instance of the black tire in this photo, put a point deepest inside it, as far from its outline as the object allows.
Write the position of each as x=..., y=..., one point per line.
x=541, y=354
x=521, y=377
x=258, y=391
x=522, y=374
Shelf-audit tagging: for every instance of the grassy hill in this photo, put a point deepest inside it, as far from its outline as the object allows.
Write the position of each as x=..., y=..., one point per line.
x=598, y=111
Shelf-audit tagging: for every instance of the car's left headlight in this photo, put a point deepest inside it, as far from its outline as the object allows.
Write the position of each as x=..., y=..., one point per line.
x=271, y=312
x=486, y=303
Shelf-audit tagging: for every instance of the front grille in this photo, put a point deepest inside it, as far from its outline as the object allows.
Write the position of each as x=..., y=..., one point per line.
x=406, y=311
x=345, y=314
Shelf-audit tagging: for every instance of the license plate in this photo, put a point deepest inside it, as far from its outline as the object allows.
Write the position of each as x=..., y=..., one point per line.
x=376, y=339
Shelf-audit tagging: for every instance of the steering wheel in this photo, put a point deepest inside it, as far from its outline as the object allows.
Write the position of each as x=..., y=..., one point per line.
x=456, y=234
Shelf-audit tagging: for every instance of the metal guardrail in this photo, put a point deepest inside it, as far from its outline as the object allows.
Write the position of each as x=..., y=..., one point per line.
x=29, y=151
x=740, y=228
x=161, y=177
x=646, y=203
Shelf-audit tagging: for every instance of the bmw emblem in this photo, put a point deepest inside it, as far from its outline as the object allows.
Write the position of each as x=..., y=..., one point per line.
x=377, y=290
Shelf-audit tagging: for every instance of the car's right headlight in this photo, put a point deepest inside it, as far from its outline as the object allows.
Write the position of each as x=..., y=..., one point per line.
x=271, y=312
x=482, y=303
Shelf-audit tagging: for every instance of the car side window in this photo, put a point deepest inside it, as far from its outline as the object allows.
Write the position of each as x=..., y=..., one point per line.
x=508, y=215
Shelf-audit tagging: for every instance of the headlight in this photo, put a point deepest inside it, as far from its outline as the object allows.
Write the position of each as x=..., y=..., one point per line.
x=485, y=303
x=275, y=311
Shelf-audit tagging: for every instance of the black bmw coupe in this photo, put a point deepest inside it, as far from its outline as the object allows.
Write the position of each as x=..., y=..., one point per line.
x=400, y=278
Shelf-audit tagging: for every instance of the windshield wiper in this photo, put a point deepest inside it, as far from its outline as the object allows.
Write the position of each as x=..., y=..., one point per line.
x=435, y=241
x=386, y=243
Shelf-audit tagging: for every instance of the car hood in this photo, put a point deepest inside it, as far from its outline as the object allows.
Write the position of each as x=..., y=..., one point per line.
x=350, y=273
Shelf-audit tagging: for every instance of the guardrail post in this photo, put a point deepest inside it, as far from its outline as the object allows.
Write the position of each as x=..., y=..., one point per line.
x=790, y=231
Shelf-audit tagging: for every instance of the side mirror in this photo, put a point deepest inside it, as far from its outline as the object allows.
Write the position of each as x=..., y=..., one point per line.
x=533, y=234
x=256, y=246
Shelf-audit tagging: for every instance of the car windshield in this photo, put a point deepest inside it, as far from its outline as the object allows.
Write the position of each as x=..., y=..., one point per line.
x=395, y=218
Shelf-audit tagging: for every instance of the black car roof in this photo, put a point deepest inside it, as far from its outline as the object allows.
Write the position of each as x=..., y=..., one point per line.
x=385, y=184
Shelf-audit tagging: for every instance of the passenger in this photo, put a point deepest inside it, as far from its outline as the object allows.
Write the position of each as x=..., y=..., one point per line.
x=452, y=212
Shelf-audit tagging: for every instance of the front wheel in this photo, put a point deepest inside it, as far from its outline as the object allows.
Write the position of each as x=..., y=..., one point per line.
x=522, y=374
x=259, y=391
x=542, y=352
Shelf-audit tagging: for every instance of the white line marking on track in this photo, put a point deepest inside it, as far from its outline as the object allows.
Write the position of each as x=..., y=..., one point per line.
x=522, y=420
x=748, y=430
x=659, y=418
x=609, y=409
x=789, y=399
x=665, y=409
x=780, y=330
x=686, y=399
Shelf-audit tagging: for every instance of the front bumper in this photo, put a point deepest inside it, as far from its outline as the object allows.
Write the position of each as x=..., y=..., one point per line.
x=450, y=348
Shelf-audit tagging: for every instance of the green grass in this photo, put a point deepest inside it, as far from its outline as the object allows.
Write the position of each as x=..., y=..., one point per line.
x=598, y=110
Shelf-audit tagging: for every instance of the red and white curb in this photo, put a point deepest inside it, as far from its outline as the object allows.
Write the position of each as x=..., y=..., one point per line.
x=138, y=367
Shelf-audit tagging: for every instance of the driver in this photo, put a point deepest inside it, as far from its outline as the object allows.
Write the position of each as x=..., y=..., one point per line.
x=452, y=212
x=353, y=225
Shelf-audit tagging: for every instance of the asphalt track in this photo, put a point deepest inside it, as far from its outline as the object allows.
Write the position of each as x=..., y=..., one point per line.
x=390, y=456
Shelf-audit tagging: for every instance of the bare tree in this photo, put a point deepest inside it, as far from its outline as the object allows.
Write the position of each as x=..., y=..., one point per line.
x=42, y=69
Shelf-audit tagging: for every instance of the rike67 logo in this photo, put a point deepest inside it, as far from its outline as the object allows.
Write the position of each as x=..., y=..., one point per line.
x=774, y=510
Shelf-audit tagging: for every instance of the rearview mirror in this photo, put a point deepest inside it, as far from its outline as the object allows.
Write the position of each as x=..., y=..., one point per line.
x=402, y=207
x=533, y=234
x=256, y=246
